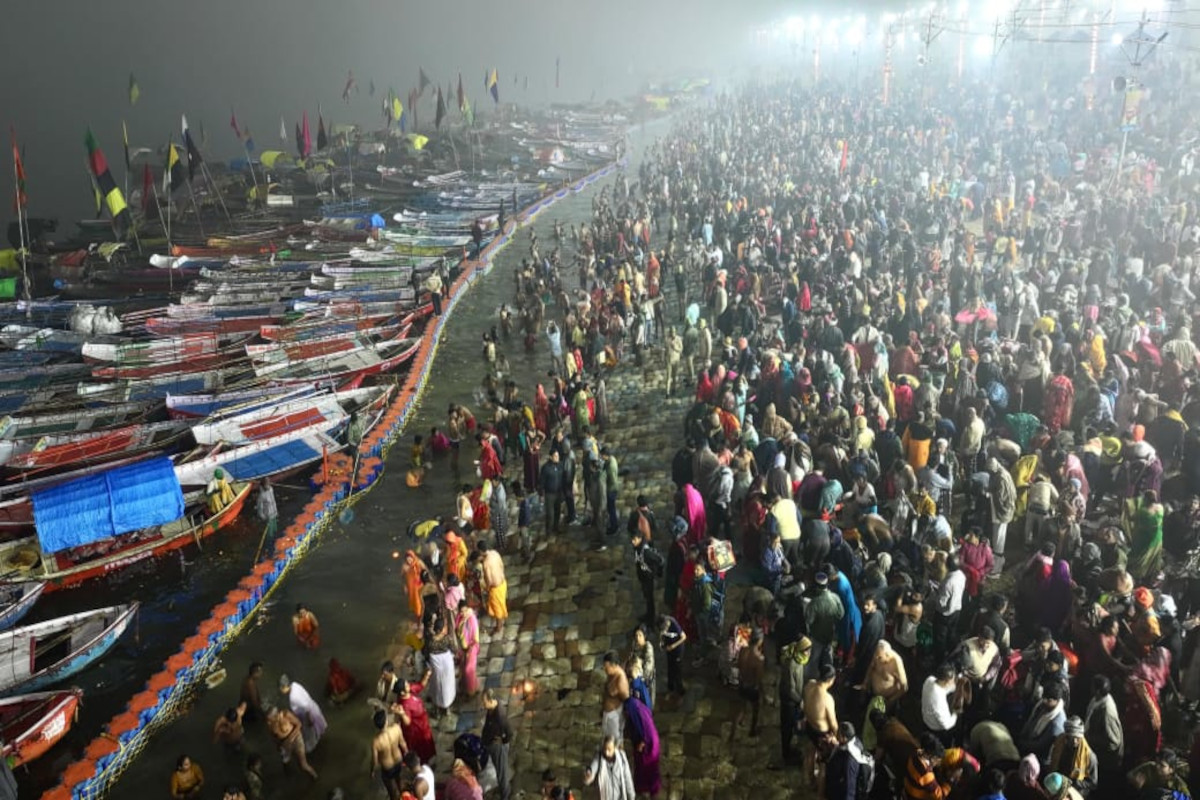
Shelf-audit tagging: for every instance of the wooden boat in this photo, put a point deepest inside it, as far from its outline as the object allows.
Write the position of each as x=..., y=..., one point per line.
x=352, y=308
x=365, y=282
x=337, y=342
x=30, y=724
x=265, y=458
x=359, y=362
x=365, y=294
x=200, y=406
x=157, y=388
x=47, y=652
x=95, y=447
x=324, y=412
x=319, y=327
x=34, y=426
x=74, y=543
x=136, y=371
x=15, y=601
x=16, y=509
x=227, y=326
x=152, y=351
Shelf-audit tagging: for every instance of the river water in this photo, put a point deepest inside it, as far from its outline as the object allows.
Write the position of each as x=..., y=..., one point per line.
x=350, y=579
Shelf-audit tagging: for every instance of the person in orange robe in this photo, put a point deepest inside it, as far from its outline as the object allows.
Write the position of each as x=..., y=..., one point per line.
x=413, y=567
x=306, y=628
x=456, y=555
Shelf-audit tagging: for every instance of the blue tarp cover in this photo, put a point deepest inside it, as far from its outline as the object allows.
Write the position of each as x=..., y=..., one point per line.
x=107, y=504
x=270, y=461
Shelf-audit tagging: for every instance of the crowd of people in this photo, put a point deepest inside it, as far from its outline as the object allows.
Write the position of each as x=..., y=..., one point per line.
x=943, y=446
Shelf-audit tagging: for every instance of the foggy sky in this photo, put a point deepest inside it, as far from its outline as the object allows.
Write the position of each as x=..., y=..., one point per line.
x=67, y=66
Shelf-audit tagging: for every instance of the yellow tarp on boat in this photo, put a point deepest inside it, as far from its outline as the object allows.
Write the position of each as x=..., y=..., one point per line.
x=417, y=141
x=9, y=261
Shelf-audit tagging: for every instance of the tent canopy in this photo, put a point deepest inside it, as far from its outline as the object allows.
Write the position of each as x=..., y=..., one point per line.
x=107, y=504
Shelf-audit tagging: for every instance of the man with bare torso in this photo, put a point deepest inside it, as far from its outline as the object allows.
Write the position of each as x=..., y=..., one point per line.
x=286, y=730
x=387, y=753
x=820, y=723
x=616, y=692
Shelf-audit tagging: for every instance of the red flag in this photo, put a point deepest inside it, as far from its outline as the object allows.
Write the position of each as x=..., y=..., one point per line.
x=147, y=188
x=233, y=124
x=305, y=137
x=845, y=155
x=21, y=200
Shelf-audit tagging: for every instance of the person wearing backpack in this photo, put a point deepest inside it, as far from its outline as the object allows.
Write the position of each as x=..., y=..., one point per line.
x=850, y=771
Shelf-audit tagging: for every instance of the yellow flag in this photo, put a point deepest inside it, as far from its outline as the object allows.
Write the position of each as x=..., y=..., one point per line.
x=397, y=108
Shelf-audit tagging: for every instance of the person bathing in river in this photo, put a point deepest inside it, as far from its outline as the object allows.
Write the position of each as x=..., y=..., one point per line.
x=306, y=628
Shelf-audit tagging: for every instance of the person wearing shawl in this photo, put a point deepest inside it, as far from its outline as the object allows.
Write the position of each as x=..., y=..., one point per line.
x=312, y=721
x=456, y=555
x=646, y=751
x=975, y=559
x=1058, y=403
x=467, y=632
x=1023, y=783
x=1045, y=723
x=1055, y=602
x=414, y=720
x=610, y=772
x=1072, y=757
x=693, y=513
x=340, y=685
x=774, y=426
x=1145, y=554
x=1142, y=717
x=851, y=622
x=490, y=467
x=1104, y=732
x=463, y=785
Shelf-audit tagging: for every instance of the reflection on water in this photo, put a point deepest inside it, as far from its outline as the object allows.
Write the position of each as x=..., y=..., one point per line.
x=350, y=580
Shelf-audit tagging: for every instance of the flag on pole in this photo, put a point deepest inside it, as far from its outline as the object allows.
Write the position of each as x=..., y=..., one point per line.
x=397, y=107
x=322, y=139
x=233, y=124
x=557, y=68
x=20, y=201
x=135, y=91
x=107, y=186
x=125, y=138
x=494, y=86
x=173, y=174
x=307, y=134
x=147, y=188
x=422, y=80
x=440, y=114
x=193, y=153
x=283, y=132
x=350, y=84
x=96, y=193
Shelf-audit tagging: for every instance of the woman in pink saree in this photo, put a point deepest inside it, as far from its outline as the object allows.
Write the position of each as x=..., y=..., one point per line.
x=468, y=643
x=693, y=512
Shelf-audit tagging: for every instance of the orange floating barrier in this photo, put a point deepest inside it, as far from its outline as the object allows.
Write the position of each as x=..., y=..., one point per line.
x=250, y=584
x=123, y=723
x=210, y=626
x=263, y=569
x=80, y=771
x=160, y=680
x=100, y=747
x=142, y=701
x=194, y=644
x=224, y=611
x=179, y=662
x=239, y=595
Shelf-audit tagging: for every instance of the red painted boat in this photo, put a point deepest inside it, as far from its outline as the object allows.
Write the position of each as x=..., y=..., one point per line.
x=30, y=724
x=74, y=566
x=143, y=371
x=373, y=360
x=341, y=342
x=223, y=326
x=98, y=446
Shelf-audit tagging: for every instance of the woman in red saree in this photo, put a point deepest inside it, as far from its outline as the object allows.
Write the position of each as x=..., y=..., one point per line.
x=340, y=685
x=1142, y=715
x=541, y=410
x=414, y=720
x=490, y=467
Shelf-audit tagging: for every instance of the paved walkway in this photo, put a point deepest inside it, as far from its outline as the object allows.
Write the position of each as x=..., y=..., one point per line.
x=574, y=603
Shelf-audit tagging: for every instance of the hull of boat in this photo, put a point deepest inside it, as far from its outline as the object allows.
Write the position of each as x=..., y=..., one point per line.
x=97, y=631
x=31, y=724
x=26, y=595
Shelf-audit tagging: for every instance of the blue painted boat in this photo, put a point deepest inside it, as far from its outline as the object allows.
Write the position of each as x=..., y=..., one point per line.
x=39, y=655
x=20, y=598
